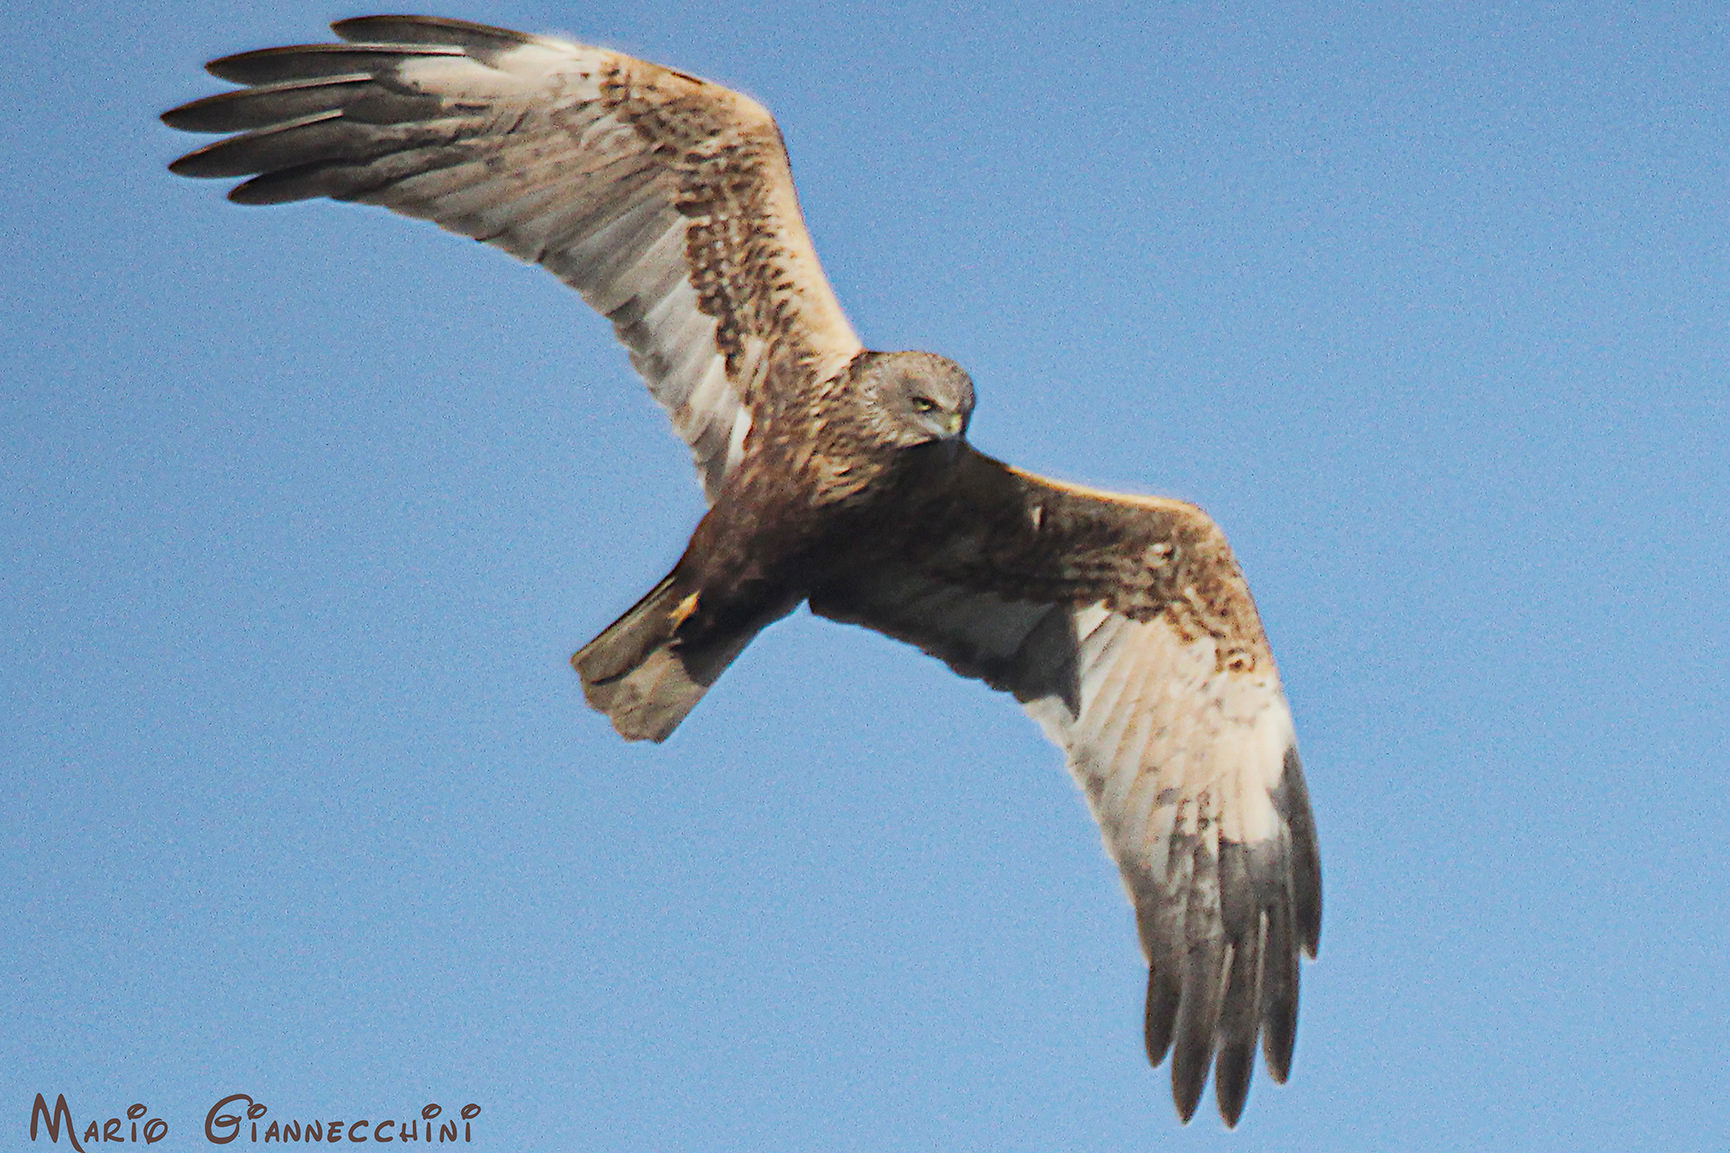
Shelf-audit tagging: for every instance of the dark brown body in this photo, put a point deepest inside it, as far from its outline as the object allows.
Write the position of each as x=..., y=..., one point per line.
x=808, y=486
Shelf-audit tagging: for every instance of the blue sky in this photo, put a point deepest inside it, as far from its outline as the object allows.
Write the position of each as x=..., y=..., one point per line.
x=305, y=510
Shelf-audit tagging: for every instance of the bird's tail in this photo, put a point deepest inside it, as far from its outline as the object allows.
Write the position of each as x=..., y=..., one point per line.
x=634, y=674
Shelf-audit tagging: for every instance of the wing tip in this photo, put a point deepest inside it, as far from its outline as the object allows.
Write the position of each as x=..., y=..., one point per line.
x=1292, y=800
x=1233, y=1070
x=434, y=30
x=1187, y=1084
x=1159, y=1016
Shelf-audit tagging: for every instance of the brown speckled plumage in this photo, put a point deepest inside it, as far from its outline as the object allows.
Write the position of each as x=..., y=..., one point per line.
x=838, y=476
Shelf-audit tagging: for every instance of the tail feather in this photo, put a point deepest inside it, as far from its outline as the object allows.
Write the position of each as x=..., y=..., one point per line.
x=633, y=673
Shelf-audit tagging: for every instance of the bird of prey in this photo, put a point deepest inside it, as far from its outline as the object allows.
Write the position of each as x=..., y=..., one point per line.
x=837, y=476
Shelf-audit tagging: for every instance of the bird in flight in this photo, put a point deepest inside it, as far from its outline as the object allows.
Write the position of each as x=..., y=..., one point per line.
x=837, y=476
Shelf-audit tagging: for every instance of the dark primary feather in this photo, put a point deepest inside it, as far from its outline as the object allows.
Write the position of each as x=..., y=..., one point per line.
x=306, y=141
x=476, y=39
x=261, y=107
x=312, y=61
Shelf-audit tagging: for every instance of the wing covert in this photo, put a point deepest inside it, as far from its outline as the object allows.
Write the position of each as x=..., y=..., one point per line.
x=1124, y=627
x=665, y=200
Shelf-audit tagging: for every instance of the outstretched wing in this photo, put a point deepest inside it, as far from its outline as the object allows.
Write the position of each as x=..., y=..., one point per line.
x=665, y=200
x=1124, y=626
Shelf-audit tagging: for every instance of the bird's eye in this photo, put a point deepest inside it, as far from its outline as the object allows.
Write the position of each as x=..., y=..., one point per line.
x=923, y=405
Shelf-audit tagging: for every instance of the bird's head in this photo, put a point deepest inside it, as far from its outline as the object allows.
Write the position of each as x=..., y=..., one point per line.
x=917, y=397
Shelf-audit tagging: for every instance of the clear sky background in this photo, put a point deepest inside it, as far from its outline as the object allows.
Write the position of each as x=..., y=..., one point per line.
x=303, y=510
